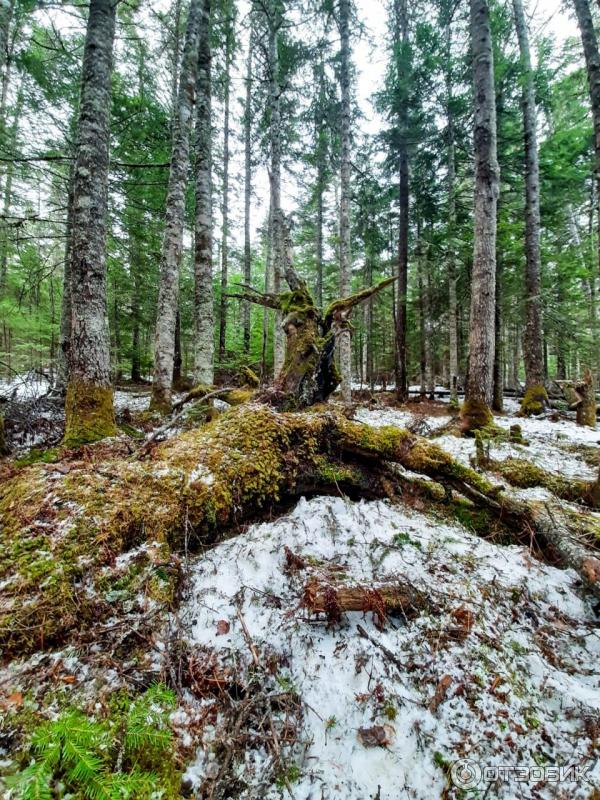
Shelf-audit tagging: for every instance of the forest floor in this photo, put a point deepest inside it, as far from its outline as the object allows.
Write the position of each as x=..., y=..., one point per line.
x=497, y=663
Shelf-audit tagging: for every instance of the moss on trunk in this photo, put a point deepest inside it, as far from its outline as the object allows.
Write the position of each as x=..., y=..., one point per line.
x=475, y=415
x=89, y=413
x=535, y=401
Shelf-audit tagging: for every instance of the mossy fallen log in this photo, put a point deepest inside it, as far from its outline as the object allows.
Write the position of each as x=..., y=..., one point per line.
x=64, y=525
x=524, y=475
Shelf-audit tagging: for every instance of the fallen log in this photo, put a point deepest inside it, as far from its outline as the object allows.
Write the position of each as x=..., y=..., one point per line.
x=64, y=525
x=323, y=597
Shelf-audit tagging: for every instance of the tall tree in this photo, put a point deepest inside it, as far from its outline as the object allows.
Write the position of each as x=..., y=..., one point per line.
x=229, y=48
x=203, y=266
x=274, y=20
x=345, y=343
x=89, y=403
x=246, y=317
x=168, y=292
x=478, y=396
x=400, y=106
x=535, y=397
x=592, y=60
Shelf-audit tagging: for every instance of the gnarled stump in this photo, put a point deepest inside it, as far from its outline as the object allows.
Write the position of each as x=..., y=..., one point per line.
x=309, y=374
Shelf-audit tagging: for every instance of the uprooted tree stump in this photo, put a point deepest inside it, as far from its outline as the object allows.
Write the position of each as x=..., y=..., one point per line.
x=64, y=524
x=309, y=374
x=581, y=397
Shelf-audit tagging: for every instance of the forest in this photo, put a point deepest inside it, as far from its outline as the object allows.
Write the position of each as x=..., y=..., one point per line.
x=299, y=365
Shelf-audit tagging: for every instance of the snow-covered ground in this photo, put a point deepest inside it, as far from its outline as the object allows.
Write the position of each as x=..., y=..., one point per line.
x=507, y=645
x=28, y=386
x=551, y=445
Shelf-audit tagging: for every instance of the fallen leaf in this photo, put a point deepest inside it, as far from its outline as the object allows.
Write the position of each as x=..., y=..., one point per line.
x=377, y=736
x=222, y=627
x=15, y=699
x=440, y=693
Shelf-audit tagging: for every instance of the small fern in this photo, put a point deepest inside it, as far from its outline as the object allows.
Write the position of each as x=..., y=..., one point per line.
x=127, y=756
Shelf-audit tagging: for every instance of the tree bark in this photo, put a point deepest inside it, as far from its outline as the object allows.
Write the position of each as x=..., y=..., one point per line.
x=229, y=43
x=168, y=291
x=62, y=365
x=592, y=60
x=203, y=268
x=274, y=21
x=246, y=315
x=402, y=42
x=451, y=253
x=11, y=145
x=478, y=397
x=533, y=348
x=89, y=403
x=345, y=342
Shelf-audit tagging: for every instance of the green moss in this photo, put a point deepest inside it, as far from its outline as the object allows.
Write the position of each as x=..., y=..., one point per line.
x=35, y=456
x=89, y=413
x=535, y=401
x=523, y=474
x=475, y=415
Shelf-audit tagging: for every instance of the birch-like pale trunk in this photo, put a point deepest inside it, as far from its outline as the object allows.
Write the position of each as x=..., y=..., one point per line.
x=478, y=396
x=532, y=342
x=592, y=60
x=168, y=290
x=246, y=317
x=277, y=246
x=344, y=342
x=203, y=266
x=229, y=35
x=89, y=413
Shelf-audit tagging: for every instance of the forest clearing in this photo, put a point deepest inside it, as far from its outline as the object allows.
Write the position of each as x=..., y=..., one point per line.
x=299, y=452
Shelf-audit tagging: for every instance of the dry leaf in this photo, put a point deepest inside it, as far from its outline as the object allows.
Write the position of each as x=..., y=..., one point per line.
x=377, y=736
x=222, y=627
x=440, y=693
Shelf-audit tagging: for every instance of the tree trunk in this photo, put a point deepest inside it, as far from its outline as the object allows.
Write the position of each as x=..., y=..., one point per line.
x=498, y=377
x=11, y=145
x=62, y=365
x=246, y=316
x=168, y=290
x=401, y=41
x=345, y=342
x=274, y=22
x=592, y=60
x=478, y=397
x=203, y=268
x=229, y=37
x=586, y=409
x=451, y=255
x=535, y=394
x=178, y=360
x=89, y=403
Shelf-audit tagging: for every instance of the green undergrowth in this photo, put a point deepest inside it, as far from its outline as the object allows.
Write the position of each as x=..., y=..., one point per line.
x=124, y=750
